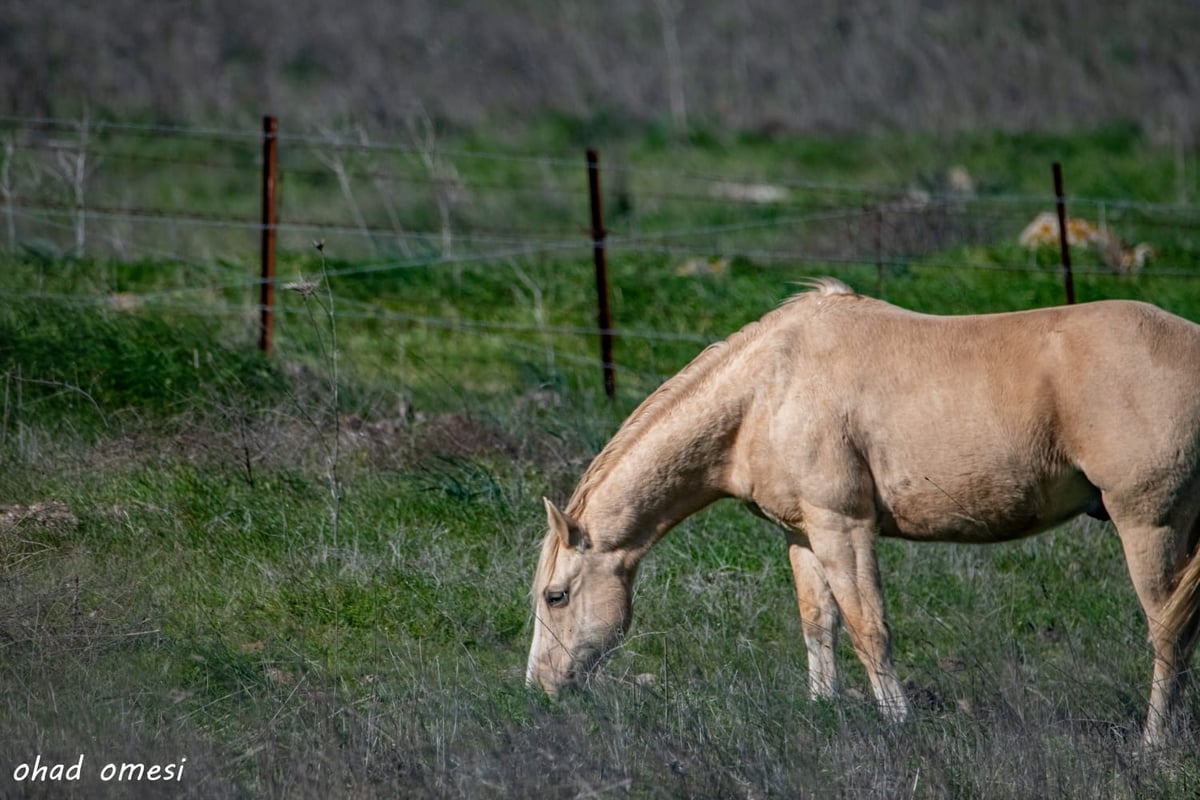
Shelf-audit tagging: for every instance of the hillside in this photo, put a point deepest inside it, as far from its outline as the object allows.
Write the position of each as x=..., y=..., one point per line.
x=756, y=65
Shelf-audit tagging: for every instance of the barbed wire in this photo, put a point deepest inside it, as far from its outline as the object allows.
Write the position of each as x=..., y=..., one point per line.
x=176, y=161
x=869, y=214
x=97, y=126
x=820, y=214
x=470, y=234
x=820, y=227
x=312, y=228
x=666, y=175
x=722, y=188
x=656, y=242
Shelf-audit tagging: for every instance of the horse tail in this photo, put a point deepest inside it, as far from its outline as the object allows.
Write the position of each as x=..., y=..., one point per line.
x=1182, y=611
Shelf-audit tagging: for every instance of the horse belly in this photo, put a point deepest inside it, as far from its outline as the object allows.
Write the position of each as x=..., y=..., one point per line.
x=983, y=507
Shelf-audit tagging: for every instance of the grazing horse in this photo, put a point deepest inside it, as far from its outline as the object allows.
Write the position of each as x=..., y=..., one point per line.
x=843, y=418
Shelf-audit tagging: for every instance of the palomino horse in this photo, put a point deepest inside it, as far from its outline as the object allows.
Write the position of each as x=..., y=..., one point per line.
x=844, y=418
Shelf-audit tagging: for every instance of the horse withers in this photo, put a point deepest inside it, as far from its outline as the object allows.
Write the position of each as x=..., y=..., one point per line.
x=843, y=418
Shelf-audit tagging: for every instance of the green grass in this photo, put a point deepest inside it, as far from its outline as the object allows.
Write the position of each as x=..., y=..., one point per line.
x=311, y=599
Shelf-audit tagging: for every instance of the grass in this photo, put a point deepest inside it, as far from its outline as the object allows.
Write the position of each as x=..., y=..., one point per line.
x=179, y=580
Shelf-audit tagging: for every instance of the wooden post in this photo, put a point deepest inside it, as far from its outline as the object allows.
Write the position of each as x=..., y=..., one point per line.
x=270, y=175
x=1064, y=244
x=604, y=315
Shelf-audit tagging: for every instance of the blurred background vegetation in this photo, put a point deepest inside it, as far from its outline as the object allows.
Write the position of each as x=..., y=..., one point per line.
x=767, y=66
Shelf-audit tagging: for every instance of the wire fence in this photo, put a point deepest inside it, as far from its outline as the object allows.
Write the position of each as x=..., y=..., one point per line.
x=190, y=197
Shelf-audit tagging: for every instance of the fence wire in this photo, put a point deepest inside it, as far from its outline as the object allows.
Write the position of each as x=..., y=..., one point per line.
x=190, y=197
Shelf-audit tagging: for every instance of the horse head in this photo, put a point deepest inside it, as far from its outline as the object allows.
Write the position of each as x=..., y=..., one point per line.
x=581, y=604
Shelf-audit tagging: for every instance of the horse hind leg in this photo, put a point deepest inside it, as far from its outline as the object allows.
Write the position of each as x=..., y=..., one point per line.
x=1166, y=577
x=818, y=618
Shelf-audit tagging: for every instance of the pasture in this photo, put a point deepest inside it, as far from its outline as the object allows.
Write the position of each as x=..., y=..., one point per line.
x=307, y=575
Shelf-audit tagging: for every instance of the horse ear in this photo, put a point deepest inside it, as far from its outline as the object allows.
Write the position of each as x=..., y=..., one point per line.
x=568, y=530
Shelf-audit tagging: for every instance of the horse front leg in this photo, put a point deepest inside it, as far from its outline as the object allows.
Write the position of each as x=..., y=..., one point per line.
x=818, y=618
x=845, y=549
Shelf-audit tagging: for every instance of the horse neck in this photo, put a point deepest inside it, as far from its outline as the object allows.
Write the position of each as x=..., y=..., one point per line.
x=646, y=482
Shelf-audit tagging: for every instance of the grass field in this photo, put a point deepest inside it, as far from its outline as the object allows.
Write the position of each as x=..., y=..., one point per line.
x=307, y=576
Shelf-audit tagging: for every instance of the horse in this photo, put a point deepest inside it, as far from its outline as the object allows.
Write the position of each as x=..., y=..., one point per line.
x=843, y=418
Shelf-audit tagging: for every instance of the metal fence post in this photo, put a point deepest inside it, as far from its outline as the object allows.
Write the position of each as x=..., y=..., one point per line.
x=1064, y=244
x=270, y=175
x=604, y=312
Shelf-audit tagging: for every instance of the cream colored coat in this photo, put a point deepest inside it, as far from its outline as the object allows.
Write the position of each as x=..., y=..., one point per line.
x=843, y=418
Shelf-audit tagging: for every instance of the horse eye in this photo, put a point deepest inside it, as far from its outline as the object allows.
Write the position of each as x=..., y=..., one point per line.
x=556, y=599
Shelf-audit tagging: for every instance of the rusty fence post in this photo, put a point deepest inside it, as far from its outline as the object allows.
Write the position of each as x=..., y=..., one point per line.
x=604, y=311
x=270, y=217
x=1063, y=236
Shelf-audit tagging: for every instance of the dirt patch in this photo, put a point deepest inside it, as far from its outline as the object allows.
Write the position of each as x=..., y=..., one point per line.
x=50, y=514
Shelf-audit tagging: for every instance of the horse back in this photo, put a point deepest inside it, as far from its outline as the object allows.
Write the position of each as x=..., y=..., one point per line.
x=977, y=428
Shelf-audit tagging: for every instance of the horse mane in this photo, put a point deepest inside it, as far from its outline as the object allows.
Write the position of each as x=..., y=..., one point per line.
x=687, y=380
x=822, y=287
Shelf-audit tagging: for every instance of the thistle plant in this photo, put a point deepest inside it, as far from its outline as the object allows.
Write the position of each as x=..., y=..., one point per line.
x=327, y=345
x=318, y=301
